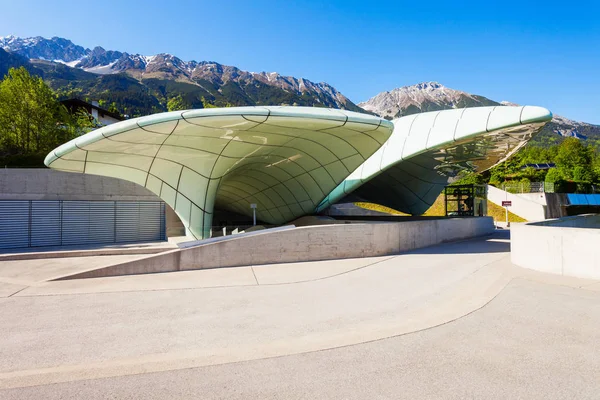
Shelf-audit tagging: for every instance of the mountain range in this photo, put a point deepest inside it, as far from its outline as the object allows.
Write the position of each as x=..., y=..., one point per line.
x=141, y=85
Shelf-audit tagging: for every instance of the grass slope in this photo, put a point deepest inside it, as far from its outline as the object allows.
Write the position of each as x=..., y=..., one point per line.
x=438, y=210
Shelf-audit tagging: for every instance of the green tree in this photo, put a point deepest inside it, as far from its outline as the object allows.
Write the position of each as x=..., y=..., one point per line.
x=81, y=122
x=207, y=104
x=31, y=118
x=554, y=175
x=596, y=166
x=177, y=103
x=574, y=160
x=470, y=179
x=113, y=108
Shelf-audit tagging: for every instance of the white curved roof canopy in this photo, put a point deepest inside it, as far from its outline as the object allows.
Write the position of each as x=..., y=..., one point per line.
x=426, y=152
x=284, y=159
x=293, y=161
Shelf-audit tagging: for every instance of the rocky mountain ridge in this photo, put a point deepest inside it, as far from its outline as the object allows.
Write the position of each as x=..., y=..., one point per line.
x=167, y=66
x=54, y=49
x=422, y=97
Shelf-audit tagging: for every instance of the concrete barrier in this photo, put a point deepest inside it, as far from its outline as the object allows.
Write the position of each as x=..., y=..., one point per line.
x=529, y=206
x=49, y=184
x=566, y=246
x=310, y=243
x=576, y=221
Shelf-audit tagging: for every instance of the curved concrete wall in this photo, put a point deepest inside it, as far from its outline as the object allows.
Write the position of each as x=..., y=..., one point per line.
x=311, y=243
x=565, y=246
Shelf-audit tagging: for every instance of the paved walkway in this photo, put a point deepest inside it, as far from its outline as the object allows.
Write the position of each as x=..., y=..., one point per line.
x=451, y=321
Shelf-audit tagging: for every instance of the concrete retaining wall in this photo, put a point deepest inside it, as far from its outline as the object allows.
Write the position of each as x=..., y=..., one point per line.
x=566, y=246
x=528, y=206
x=49, y=184
x=576, y=221
x=311, y=243
x=539, y=198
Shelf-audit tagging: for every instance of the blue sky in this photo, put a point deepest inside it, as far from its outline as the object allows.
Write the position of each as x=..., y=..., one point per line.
x=528, y=52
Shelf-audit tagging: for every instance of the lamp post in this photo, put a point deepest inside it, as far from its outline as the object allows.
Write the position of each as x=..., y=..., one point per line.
x=253, y=207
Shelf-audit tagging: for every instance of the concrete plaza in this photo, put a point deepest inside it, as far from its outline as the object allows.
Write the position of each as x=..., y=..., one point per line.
x=450, y=321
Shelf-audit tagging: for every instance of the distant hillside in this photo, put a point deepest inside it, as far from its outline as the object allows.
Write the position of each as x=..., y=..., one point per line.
x=9, y=60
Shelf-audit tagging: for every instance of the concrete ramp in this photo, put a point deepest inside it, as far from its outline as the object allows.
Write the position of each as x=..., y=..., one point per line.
x=202, y=242
x=530, y=206
x=310, y=243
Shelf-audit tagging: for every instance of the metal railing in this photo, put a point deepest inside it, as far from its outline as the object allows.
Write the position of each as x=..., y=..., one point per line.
x=528, y=187
x=549, y=187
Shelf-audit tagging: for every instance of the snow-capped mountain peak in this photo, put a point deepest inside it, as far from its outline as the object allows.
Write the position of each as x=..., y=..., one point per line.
x=7, y=39
x=425, y=96
x=46, y=49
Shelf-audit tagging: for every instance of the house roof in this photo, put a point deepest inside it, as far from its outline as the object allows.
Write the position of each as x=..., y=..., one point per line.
x=77, y=103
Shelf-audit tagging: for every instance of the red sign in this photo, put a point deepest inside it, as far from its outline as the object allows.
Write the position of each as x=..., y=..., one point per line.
x=506, y=203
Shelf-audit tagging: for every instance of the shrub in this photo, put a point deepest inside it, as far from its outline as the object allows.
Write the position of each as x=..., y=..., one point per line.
x=23, y=161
